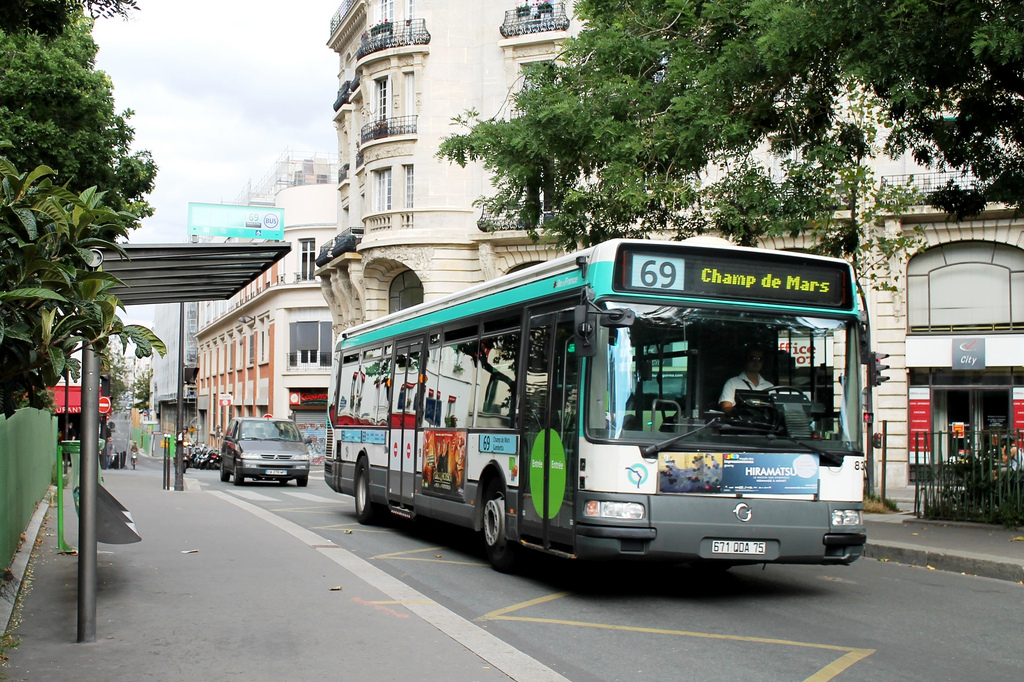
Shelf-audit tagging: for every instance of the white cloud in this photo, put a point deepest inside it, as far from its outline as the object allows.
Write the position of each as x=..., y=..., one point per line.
x=220, y=90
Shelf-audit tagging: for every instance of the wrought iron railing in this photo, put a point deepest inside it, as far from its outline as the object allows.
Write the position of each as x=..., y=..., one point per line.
x=524, y=20
x=336, y=20
x=343, y=174
x=359, y=159
x=388, y=127
x=930, y=182
x=393, y=34
x=488, y=222
x=969, y=475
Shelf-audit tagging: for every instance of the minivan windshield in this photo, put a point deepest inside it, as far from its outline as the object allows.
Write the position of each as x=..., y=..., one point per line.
x=726, y=378
x=269, y=430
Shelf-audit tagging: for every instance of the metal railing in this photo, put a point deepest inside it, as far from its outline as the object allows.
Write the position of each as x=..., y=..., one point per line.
x=930, y=182
x=388, y=127
x=336, y=20
x=489, y=222
x=522, y=21
x=309, y=360
x=393, y=34
x=969, y=475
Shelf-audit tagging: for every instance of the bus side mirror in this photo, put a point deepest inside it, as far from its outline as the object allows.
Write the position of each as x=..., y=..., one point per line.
x=583, y=329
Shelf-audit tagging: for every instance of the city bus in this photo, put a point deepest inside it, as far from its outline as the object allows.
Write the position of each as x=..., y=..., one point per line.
x=576, y=408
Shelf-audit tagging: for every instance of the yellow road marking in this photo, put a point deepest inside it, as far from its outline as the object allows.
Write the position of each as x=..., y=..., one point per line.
x=401, y=602
x=827, y=673
x=344, y=526
x=305, y=510
x=402, y=557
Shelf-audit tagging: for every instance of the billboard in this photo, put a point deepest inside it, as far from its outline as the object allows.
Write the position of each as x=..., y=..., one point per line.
x=229, y=220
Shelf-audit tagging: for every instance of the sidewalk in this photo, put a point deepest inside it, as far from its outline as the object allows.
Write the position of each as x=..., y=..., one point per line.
x=214, y=591
x=972, y=548
x=221, y=589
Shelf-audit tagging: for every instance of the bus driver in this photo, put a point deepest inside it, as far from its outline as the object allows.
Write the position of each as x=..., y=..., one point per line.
x=749, y=379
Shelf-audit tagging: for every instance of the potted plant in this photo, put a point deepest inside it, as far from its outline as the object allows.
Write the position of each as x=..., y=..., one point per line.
x=545, y=8
x=523, y=11
x=383, y=28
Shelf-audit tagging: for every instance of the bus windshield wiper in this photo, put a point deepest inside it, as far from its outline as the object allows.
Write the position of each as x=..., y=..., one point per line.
x=654, y=449
x=831, y=458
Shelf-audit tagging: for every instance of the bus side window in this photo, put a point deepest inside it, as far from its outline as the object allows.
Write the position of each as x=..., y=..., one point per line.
x=348, y=391
x=496, y=381
x=432, y=401
x=455, y=387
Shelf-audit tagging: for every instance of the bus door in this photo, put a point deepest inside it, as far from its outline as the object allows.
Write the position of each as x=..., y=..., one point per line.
x=550, y=433
x=405, y=402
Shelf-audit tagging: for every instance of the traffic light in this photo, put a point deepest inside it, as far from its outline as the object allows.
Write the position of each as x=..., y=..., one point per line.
x=875, y=368
x=189, y=374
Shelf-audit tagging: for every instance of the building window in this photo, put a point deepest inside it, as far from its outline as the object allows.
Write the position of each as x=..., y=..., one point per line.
x=382, y=190
x=966, y=287
x=310, y=345
x=307, y=252
x=385, y=11
x=409, y=103
x=410, y=186
x=406, y=291
x=263, y=345
x=381, y=98
x=252, y=348
x=410, y=9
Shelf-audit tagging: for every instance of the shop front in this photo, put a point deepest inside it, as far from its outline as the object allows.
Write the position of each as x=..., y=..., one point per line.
x=309, y=411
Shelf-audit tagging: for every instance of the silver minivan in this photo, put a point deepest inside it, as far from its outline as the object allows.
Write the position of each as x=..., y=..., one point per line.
x=264, y=449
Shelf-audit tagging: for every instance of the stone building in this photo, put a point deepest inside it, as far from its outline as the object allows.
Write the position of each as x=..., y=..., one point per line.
x=406, y=70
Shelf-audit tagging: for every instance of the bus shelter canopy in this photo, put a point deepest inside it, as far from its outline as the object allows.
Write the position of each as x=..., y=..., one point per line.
x=179, y=273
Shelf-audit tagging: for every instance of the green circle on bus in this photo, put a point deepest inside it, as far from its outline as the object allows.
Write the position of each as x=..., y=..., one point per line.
x=556, y=474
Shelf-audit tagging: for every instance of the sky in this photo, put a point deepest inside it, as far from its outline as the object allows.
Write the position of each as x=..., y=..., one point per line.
x=220, y=90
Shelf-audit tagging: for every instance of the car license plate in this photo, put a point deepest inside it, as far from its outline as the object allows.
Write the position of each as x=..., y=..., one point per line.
x=276, y=472
x=737, y=547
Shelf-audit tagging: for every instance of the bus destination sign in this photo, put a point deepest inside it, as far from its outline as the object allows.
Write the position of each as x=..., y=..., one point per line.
x=740, y=275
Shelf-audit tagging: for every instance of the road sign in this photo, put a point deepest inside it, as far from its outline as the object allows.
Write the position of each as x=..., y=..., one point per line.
x=104, y=404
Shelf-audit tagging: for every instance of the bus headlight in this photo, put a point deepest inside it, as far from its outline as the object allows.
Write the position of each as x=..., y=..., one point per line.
x=846, y=517
x=614, y=510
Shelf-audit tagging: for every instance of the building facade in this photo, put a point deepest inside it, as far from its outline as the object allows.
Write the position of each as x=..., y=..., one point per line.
x=404, y=75
x=267, y=350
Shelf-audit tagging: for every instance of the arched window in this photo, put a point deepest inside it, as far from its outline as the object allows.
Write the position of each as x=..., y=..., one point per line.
x=966, y=287
x=406, y=291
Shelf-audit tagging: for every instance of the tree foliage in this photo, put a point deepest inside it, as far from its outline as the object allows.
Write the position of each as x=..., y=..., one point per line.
x=50, y=301
x=755, y=117
x=59, y=111
x=140, y=389
x=49, y=18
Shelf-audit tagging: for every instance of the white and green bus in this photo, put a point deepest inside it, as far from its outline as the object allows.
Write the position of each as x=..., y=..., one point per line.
x=577, y=408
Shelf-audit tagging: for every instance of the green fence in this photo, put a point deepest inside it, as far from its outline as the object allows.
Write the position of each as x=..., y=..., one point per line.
x=28, y=454
x=969, y=476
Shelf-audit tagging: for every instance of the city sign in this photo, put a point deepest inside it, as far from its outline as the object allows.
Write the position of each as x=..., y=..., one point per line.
x=230, y=220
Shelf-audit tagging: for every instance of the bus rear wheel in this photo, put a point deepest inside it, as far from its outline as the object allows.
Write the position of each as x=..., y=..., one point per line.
x=365, y=510
x=501, y=553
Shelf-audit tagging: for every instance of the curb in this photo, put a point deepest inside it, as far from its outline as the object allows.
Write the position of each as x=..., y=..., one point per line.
x=19, y=566
x=984, y=565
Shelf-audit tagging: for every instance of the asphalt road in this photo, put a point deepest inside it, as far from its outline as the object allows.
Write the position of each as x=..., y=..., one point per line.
x=634, y=621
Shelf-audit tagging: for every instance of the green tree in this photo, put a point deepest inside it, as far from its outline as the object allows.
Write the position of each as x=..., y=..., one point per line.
x=50, y=301
x=50, y=17
x=140, y=389
x=59, y=111
x=749, y=118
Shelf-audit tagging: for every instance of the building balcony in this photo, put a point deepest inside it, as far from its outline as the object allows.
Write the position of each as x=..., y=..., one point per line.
x=384, y=222
x=525, y=20
x=388, y=127
x=488, y=222
x=309, y=361
x=343, y=174
x=393, y=34
x=339, y=16
x=930, y=182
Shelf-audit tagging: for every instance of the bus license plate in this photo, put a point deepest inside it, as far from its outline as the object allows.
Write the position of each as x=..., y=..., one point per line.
x=737, y=547
x=276, y=472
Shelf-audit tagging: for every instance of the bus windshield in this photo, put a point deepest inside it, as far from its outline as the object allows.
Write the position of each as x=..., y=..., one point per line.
x=726, y=378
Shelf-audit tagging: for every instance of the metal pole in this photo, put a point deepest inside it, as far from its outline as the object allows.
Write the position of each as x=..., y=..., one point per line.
x=179, y=474
x=885, y=443
x=88, y=485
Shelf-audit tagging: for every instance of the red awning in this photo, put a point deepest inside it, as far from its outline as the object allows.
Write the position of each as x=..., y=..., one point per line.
x=74, y=399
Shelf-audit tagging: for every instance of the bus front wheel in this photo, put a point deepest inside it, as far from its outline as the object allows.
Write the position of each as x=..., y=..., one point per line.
x=501, y=553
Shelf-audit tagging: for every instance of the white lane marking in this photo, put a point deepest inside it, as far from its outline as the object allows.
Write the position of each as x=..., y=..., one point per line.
x=497, y=652
x=256, y=497
x=310, y=497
